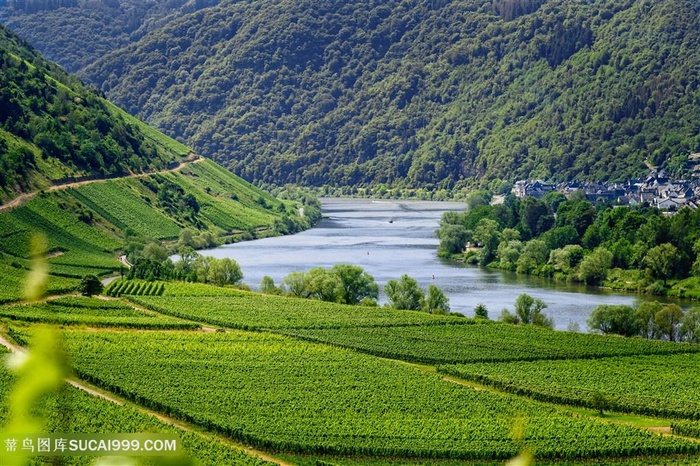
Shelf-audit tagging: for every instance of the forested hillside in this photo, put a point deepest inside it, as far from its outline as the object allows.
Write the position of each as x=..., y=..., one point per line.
x=432, y=93
x=77, y=32
x=95, y=183
x=52, y=127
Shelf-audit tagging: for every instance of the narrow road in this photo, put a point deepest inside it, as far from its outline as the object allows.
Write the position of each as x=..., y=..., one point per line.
x=22, y=198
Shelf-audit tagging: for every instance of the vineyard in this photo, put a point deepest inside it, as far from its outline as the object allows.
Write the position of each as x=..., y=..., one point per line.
x=89, y=414
x=118, y=202
x=666, y=385
x=274, y=392
x=216, y=198
x=248, y=311
x=483, y=342
x=12, y=281
x=91, y=312
x=135, y=288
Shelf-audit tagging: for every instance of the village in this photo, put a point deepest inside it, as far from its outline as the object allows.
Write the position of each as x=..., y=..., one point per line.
x=656, y=190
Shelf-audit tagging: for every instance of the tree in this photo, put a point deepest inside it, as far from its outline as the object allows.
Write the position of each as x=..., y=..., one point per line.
x=404, y=293
x=453, y=238
x=594, y=267
x=662, y=260
x=224, y=271
x=478, y=197
x=155, y=252
x=644, y=318
x=481, y=311
x=618, y=319
x=528, y=310
x=668, y=320
x=267, y=286
x=435, y=301
x=534, y=254
x=576, y=213
x=295, y=284
x=486, y=234
x=324, y=285
x=600, y=402
x=357, y=284
x=90, y=285
x=690, y=326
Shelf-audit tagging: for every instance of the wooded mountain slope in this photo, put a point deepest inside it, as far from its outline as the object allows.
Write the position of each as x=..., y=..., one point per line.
x=54, y=131
x=52, y=127
x=431, y=93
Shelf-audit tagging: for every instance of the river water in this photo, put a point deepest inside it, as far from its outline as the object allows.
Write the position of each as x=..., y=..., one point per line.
x=389, y=238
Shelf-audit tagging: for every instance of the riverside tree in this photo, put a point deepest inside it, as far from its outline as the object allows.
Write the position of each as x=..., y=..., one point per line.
x=528, y=310
x=404, y=293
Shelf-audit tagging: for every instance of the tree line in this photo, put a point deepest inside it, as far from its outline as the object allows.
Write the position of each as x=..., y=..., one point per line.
x=571, y=239
x=652, y=320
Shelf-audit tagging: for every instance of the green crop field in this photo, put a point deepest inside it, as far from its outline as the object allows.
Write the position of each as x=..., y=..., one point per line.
x=274, y=392
x=484, y=342
x=89, y=414
x=248, y=310
x=91, y=312
x=12, y=280
x=118, y=202
x=665, y=385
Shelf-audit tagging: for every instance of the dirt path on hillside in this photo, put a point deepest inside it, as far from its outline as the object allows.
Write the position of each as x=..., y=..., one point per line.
x=22, y=198
x=94, y=391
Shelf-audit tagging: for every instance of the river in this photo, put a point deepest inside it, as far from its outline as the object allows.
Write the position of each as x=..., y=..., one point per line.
x=389, y=238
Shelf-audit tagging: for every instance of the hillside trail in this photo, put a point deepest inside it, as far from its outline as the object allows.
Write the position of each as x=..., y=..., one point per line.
x=22, y=198
x=185, y=427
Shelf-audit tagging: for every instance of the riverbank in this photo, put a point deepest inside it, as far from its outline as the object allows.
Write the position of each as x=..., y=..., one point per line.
x=635, y=282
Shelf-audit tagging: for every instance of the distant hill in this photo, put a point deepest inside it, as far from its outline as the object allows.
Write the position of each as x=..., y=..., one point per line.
x=96, y=182
x=433, y=93
x=75, y=33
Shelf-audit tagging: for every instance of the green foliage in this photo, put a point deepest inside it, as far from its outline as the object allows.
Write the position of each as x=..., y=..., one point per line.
x=90, y=285
x=288, y=409
x=528, y=310
x=267, y=286
x=244, y=310
x=343, y=283
x=53, y=128
x=91, y=312
x=437, y=93
x=357, y=284
x=633, y=384
x=594, y=267
x=73, y=410
x=618, y=319
x=481, y=311
x=435, y=301
x=404, y=293
x=662, y=260
x=464, y=341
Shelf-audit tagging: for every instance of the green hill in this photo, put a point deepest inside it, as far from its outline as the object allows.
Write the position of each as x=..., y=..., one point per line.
x=420, y=94
x=95, y=181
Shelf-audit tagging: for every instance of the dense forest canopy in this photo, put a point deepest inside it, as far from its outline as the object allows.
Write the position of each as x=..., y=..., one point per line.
x=430, y=93
x=54, y=127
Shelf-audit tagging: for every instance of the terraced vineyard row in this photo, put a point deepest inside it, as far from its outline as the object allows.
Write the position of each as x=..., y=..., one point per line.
x=135, y=288
x=91, y=312
x=667, y=385
x=274, y=392
x=248, y=311
x=12, y=280
x=484, y=342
